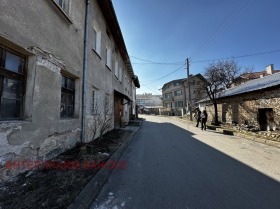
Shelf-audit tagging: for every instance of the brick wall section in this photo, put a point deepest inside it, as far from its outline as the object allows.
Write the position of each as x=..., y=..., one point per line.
x=244, y=108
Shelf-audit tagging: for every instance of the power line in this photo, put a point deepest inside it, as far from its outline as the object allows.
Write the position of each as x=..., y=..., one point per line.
x=240, y=56
x=164, y=75
x=151, y=89
x=141, y=63
x=210, y=60
x=153, y=62
x=235, y=13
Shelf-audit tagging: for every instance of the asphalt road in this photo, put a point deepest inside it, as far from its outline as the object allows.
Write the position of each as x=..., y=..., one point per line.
x=174, y=165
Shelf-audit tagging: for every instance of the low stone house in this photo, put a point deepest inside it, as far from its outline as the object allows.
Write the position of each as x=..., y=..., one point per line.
x=255, y=103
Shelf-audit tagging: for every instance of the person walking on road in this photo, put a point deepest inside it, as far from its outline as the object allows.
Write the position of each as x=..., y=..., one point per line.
x=203, y=119
x=197, y=116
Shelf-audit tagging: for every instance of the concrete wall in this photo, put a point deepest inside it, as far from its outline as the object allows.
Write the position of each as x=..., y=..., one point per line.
x=53, y=44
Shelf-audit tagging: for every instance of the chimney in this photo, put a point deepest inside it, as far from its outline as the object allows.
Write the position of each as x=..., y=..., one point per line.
x=269, y=69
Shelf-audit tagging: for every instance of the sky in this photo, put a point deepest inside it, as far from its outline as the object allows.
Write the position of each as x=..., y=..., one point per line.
x=160, y=35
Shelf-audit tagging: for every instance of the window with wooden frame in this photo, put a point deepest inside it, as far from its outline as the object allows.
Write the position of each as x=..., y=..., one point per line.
x=67, y=97
x=12, y=79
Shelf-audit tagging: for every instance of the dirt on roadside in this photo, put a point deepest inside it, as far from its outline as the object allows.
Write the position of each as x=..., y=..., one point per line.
x=58, y=187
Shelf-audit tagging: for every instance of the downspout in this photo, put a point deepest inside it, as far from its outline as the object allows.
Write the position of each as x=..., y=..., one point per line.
x=85, y=62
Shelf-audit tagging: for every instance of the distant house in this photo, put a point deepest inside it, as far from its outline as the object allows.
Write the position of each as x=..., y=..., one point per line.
x=256, y=102
x=148, y=100
x=148, y=103
x=175, y=94
x=255, y=75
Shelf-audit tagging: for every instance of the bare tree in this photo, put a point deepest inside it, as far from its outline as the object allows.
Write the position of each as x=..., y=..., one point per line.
x=102, y=117
x=107, y=117
x=219, y=76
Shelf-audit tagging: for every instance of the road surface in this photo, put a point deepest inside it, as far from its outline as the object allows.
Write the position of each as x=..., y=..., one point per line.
x=171, y=164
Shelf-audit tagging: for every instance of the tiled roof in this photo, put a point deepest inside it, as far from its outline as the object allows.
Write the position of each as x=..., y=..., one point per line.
x=253, y=85
x=256, y=75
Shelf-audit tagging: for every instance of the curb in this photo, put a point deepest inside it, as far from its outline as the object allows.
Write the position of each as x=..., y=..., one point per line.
x=91, y=190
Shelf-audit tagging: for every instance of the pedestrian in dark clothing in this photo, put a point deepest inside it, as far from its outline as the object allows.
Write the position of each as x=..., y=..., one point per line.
x=197, y=116
x=203, y=119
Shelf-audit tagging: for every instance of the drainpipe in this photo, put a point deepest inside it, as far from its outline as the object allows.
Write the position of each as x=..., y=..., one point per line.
x=85, y=62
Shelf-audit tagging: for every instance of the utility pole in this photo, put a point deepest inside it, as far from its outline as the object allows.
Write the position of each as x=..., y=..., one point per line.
x=189, y=86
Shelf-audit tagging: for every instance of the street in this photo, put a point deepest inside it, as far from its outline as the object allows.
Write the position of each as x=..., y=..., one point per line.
x=171, y=164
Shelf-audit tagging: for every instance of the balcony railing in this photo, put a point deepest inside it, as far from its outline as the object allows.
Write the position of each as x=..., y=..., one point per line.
x=169, y=99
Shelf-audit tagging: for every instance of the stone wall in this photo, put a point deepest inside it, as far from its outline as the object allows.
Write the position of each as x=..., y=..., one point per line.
x=244, y=109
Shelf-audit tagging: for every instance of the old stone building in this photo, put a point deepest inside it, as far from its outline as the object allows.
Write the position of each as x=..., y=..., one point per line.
x=63, y=66
x=254, y=103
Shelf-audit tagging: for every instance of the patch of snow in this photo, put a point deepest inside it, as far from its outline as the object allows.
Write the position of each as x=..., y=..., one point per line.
x=105, y=154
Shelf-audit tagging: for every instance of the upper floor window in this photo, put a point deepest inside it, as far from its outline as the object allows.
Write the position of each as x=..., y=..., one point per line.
x=63, y=4
x=109, y=58
x=64, y=7
x=178, y=92
x=67, y=97
x=96, y=45
x=117, y=69
x=179, y=104
x=120, y=74
x=11, y=84
x=168, y=95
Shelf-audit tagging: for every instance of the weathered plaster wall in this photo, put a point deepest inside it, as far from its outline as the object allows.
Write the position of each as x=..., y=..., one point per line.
x=53, y=45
